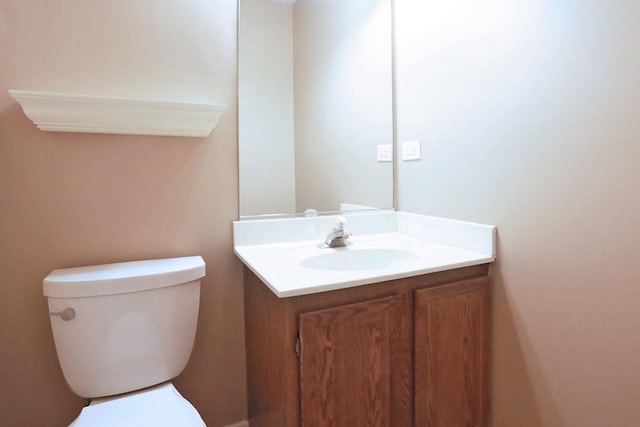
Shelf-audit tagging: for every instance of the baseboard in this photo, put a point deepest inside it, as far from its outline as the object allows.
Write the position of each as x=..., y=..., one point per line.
x=240, y=424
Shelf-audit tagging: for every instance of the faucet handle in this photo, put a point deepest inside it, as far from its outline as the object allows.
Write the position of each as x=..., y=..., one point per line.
x=338, y=236
x=341, y=221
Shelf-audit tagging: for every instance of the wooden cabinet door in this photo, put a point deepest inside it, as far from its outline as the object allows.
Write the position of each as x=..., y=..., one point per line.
x=452, y=354
x=355, y=365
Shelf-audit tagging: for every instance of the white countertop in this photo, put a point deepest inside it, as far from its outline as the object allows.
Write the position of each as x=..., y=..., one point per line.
x=284, y=253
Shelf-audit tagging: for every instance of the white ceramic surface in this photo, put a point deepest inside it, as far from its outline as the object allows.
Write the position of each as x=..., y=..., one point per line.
x=353, y=258
x=122, y=277
x=122, y=342
x=386, y=245
x=160, y=406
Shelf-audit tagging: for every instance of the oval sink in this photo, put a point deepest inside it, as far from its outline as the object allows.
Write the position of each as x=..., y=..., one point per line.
x=350, y=259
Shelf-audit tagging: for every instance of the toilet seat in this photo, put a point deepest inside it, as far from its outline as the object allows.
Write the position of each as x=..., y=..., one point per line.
x=159, y=406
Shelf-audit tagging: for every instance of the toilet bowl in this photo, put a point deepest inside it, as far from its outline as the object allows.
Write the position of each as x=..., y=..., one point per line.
x=159, y=406
x=122, y=332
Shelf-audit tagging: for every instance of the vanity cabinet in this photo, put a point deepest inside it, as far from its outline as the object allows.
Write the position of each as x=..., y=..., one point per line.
x=406, y=352
x=451, y=347
x=355, y=363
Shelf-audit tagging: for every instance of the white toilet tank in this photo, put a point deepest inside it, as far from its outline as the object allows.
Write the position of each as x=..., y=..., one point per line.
x=126, y=326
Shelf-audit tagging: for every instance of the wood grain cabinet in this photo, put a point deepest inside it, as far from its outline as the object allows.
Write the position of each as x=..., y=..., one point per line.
x=355, y=363
x=408, y=352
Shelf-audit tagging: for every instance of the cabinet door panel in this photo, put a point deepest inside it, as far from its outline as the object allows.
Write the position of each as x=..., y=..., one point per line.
x=355, y=364
x=451, y=354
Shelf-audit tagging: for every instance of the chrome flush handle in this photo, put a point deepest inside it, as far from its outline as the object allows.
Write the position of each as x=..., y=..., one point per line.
x=66, y=314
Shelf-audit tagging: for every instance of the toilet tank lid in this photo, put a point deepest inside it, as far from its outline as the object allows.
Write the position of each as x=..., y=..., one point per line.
x=122, y=277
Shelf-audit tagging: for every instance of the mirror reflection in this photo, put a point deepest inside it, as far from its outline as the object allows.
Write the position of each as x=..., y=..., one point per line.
x=315, y=102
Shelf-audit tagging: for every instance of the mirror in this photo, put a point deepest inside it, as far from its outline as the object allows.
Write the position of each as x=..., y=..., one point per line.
x=315, y=100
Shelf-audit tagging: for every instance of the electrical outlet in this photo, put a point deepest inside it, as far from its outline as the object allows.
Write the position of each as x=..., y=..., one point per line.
x=385, y=152
x=411, y=150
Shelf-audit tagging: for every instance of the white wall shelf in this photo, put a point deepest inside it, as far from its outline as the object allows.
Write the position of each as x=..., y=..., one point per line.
x=64, y=112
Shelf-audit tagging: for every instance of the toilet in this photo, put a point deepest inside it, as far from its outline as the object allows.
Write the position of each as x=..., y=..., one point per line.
x=122, y=332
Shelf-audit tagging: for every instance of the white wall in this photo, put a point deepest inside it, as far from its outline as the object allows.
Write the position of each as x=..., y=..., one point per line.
x=265, y=120
x=528, y=113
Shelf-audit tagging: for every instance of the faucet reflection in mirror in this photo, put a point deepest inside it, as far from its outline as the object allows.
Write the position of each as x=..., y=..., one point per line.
x=315, y=101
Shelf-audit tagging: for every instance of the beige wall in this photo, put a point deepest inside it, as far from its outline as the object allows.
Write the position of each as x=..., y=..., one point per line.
x=78, y=199
x=343, y=109
x=265, y=110
x=339, y=56
x=528, y=113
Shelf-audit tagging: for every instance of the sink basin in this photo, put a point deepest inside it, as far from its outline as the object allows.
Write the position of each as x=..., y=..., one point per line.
x=284, y=253
x=350, y=259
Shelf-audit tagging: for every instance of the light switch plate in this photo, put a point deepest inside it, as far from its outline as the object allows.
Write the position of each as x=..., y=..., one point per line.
x=411, y=150
x=385, y=152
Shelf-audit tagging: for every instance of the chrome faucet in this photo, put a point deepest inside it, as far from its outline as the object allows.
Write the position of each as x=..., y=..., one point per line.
x=339, y=237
